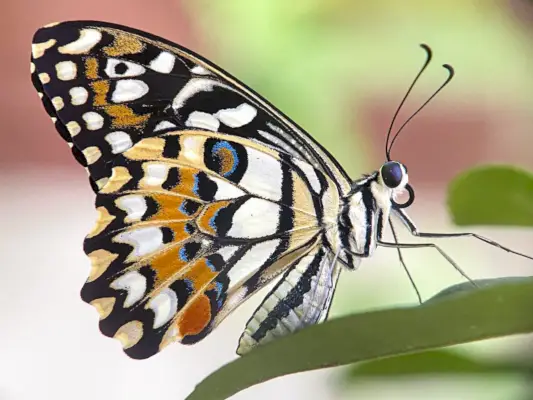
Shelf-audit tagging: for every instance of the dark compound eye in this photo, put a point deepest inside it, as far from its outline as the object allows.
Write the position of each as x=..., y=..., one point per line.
x=392, y=174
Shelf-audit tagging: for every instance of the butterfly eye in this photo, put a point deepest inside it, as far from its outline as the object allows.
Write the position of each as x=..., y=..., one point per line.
x=392, y=174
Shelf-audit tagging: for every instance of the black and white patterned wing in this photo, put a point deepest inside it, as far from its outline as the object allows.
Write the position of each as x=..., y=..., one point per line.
x=301, y=298
x=108, y=86
x=205, y=192
x=190, y=225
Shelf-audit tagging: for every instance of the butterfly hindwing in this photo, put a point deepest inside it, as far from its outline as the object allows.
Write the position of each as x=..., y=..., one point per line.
x=301, y=298
x=191, y=224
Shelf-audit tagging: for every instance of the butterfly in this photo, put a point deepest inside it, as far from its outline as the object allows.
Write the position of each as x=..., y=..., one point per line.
x=205, y=192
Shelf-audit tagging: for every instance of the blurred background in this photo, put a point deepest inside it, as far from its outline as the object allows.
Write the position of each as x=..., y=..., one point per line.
x=337, y=67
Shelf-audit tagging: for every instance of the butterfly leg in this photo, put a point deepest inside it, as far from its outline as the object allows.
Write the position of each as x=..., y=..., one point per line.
x=400, y=256
x=414, y=231
x=425, y=245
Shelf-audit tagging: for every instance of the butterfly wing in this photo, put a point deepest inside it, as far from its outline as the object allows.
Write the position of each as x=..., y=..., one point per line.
x=107, y=86
x=301, y=298
x=205, y=192
x=190, y=225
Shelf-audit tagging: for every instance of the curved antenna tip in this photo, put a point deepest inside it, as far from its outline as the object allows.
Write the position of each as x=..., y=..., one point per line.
x=449, y=68
x=427, y=49
x=451, y=73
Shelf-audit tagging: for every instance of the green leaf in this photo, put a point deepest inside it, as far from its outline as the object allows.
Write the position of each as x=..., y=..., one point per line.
x=498, y=307
x=428, y=363
x=492, y=195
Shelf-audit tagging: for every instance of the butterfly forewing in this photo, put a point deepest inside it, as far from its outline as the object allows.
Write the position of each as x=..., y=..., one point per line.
x=205, y=192
x=108, y=86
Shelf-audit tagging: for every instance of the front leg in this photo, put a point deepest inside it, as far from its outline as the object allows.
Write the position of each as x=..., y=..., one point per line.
x=397, y=245
x=409, y=224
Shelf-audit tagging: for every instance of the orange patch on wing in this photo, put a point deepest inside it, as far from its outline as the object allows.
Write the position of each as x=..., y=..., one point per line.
x=124, y=117
x=227, y=160
x=186, y=182
x=167, y=264
x=200, y=275
x=209, y=212
x=195, y=317
x=91, y=68
x=124, y=43
x=168, y=208
x=100, y=88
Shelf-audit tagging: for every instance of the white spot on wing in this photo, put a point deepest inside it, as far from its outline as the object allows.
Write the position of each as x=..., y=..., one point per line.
x=263, y=176
x=199, y=70
x=192, y=87
x=44, y=77
x=92, y=154
x=129, y=89
x=73, y=128
x=93, y=120
x=251, y=261
x=78, y=95
x=134, y=205
x=66, y=70
x=38, y=49
x=199, y=119
x=87, y=40
x=164, y=125
x=58, y=103
x=164, y=306
x=227, y=251
x=238, y=116
x=134, y=283
x=120, y=141
x=192, y=148
x=144, y=240
x=155, y=173
x=163, y=63
x=226, y=190
x=255, y=218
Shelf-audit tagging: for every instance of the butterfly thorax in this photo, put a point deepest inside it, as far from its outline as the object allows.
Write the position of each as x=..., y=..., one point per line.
x=363, y=214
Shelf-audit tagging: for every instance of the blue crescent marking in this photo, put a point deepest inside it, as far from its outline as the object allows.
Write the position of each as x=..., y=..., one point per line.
x=210, y=265
x=212, y=220
x=183, y=256
x=196, y=184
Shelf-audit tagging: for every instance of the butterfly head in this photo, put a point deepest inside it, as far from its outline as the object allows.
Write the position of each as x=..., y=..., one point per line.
x=393, y=175
x=393, y=178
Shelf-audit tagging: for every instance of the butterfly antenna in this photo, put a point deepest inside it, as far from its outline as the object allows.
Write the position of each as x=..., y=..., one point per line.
x=451, y=74
x=429, y=55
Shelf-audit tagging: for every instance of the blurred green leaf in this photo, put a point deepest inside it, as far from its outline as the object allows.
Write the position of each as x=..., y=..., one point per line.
x=497, y=308
x=492, y=195
x=465, y=287
x=429, y=363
